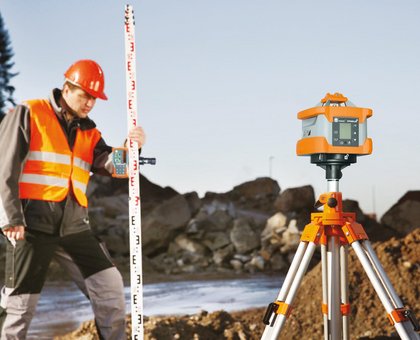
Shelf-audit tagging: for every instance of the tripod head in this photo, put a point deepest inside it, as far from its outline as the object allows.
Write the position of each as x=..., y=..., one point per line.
x=333, y=163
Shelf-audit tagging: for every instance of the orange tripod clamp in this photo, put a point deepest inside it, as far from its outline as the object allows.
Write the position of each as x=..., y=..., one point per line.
x=276, y=307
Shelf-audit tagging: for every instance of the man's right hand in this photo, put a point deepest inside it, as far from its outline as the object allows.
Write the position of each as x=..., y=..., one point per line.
x=14, y=233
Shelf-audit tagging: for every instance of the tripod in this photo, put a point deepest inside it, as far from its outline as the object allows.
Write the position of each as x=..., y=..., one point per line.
x=334, y=230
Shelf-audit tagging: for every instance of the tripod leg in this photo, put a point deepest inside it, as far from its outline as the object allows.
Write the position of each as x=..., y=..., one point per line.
x=382, y=275
x=398, y=304
x=291, y=273
x=294, y=277
x=294, y=266
x=324, y=264
x=344, y=283
x=334, y=311
x=383, y=287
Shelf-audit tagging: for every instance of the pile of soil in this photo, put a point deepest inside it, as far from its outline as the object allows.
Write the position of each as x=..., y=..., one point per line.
x=399, y=257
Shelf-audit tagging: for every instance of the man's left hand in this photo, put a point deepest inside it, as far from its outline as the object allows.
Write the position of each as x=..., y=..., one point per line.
x=136, y=134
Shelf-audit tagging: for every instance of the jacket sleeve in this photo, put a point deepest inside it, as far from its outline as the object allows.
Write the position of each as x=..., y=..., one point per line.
x=102, y=159
x=14, y=146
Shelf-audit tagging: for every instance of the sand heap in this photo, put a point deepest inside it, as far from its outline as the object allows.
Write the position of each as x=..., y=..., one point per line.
x=399, y=257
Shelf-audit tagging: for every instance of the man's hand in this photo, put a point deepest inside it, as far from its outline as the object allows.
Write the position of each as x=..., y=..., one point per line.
x=14, y=233
x=137, y=135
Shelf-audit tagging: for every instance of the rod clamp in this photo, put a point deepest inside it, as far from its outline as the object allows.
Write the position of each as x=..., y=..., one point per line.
x=409, y=314
x=276, y=308
x=402, y=315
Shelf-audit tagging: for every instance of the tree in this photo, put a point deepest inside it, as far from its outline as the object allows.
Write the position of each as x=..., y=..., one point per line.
x=6, y=54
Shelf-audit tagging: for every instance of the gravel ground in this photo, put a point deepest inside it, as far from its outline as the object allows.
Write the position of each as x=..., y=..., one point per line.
x=399, y=257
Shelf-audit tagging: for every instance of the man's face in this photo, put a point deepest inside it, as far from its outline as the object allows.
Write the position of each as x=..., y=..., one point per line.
x=79, y=101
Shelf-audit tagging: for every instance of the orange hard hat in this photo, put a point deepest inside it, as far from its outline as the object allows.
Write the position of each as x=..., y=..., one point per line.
x=88, y=75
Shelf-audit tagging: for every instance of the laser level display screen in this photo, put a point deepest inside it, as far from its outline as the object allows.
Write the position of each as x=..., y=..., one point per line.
x=345, y=131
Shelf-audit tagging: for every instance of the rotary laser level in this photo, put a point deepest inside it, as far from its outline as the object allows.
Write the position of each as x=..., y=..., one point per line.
x=335, y=126
x=334, y=134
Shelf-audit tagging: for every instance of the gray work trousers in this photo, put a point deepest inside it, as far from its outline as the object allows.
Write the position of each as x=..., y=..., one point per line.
x=88, y=265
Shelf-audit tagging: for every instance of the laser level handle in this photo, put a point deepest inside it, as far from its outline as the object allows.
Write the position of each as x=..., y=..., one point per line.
x=144, y=160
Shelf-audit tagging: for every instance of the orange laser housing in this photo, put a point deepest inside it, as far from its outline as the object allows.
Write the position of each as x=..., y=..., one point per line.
x=319, y=144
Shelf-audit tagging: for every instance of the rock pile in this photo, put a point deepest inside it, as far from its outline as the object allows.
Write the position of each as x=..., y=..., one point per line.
x=251, y=228
x=255, y=227
x=404, y=216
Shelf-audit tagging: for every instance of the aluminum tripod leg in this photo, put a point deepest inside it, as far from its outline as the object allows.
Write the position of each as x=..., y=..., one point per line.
x=324, y=266
x=333, y=281
x=290, y=286
x=383, y=286
x=344, y=283
x=336, y=324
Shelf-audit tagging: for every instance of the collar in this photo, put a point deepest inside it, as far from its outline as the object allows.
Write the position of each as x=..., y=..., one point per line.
x=83, y=123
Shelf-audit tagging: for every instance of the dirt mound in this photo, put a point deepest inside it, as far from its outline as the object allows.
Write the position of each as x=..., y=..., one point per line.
x=401, y=261
x=399, y=257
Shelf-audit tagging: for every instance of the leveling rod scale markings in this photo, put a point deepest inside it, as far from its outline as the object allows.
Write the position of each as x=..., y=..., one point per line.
x=334, y=134
x=136, y=270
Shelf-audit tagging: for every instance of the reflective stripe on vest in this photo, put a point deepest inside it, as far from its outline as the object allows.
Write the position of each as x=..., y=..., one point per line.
x=51, y=168
x=44, y=180
x=51, y=181
x=81, y=164
x=52, y=157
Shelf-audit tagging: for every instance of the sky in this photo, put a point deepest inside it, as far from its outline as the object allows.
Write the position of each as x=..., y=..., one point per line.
x=221, y=83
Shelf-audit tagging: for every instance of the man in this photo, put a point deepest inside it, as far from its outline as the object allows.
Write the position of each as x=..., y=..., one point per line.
x=48, y=148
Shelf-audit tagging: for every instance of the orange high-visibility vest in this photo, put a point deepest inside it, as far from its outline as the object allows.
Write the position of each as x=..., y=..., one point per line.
x=51, y=167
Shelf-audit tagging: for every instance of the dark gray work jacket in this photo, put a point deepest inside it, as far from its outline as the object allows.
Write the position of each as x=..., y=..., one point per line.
x=56, y=218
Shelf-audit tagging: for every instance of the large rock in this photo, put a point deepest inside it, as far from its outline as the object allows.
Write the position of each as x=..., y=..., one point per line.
x=213, y=206
x=278, y=263
x=151, y=194
x=117, y=240
x=222, y=218
x=257, y=195
x=189, y=245
x=218, y=220
x=160, y=225
x=296, y=199
x=375, y=231
x=257, y=262
x=113, y=205
x=216, y=239
x=274, y=226
x=263, y=186
x=194, y=202
x=290, y=239
x=222, y=255
x=260, y=187
x=404, y=216
x=243, y=237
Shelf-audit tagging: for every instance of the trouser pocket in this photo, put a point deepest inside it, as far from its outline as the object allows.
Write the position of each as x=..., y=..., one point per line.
x=27, y=263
